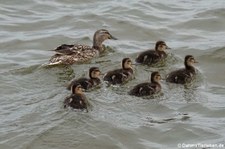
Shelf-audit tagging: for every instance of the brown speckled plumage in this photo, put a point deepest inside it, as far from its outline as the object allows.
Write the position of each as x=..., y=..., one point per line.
x=77, y=53
x=78, y=56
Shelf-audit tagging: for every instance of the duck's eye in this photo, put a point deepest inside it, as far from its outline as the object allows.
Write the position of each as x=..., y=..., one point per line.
x=162, y=45
x=105, y=32
x=192, y=59
x=96, y=71
x=157, y=77
x=79, y=87
x=128, y=61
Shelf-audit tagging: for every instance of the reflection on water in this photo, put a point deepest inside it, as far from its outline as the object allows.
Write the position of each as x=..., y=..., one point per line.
x=32, y=113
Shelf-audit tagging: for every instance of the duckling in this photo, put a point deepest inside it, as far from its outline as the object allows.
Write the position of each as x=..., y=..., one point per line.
x=148, y=88
x=77, y=53
x=151, y=57
x=77, y=99
x=185, y=75
x=120, y=76
x=88, y=83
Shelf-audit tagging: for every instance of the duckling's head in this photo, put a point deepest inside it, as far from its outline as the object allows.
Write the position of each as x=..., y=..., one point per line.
x=155, y=77
x=94, y=72
x=189, y=60
x=100, y=36
x=126, y=63
x=77, y=88
x=161, y=46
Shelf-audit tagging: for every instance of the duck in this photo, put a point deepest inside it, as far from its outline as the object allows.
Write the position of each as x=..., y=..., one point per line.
x=78, y=53
x=184, y=75
x=77, y=99
x=147, y=88
x=120, y=76
x=151, y=57
x=88, y=83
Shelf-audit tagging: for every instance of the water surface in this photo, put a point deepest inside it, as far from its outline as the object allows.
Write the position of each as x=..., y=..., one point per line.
x=31, y=99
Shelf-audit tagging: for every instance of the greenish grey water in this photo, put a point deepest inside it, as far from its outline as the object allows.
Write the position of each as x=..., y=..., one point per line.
x=31, y=99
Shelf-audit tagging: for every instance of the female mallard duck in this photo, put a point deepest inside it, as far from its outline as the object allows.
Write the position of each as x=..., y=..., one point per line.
x=120, y=76
x=148, y=88
x=88, y=83
x=185, y=75
x=77, y=99
x=70, y=54
x=151, y=57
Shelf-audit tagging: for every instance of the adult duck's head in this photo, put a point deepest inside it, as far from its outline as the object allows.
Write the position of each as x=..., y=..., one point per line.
x=161, y=46
x=94, y=72
x=127, y=63
x=99, y=37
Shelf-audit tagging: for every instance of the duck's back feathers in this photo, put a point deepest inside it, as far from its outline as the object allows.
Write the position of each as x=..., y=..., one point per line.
x=95, y=82
x=70, y=49
x=150, y=57
x=76, y=101
x=77, y=53
x=145, y=89
x=118, y=76
x=181, y=76
x=85, y=83
x=77, y=56
x=114, y=77
x=64, y=49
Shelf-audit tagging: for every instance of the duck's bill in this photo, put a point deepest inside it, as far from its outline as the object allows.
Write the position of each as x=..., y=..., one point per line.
x=168, y=47
x=136, y=64
x=162, y=79
x=102, y=74
x=195, y=61
x=112, y=37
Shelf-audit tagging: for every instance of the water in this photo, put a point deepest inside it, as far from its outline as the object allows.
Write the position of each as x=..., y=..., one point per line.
x=31, y=99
